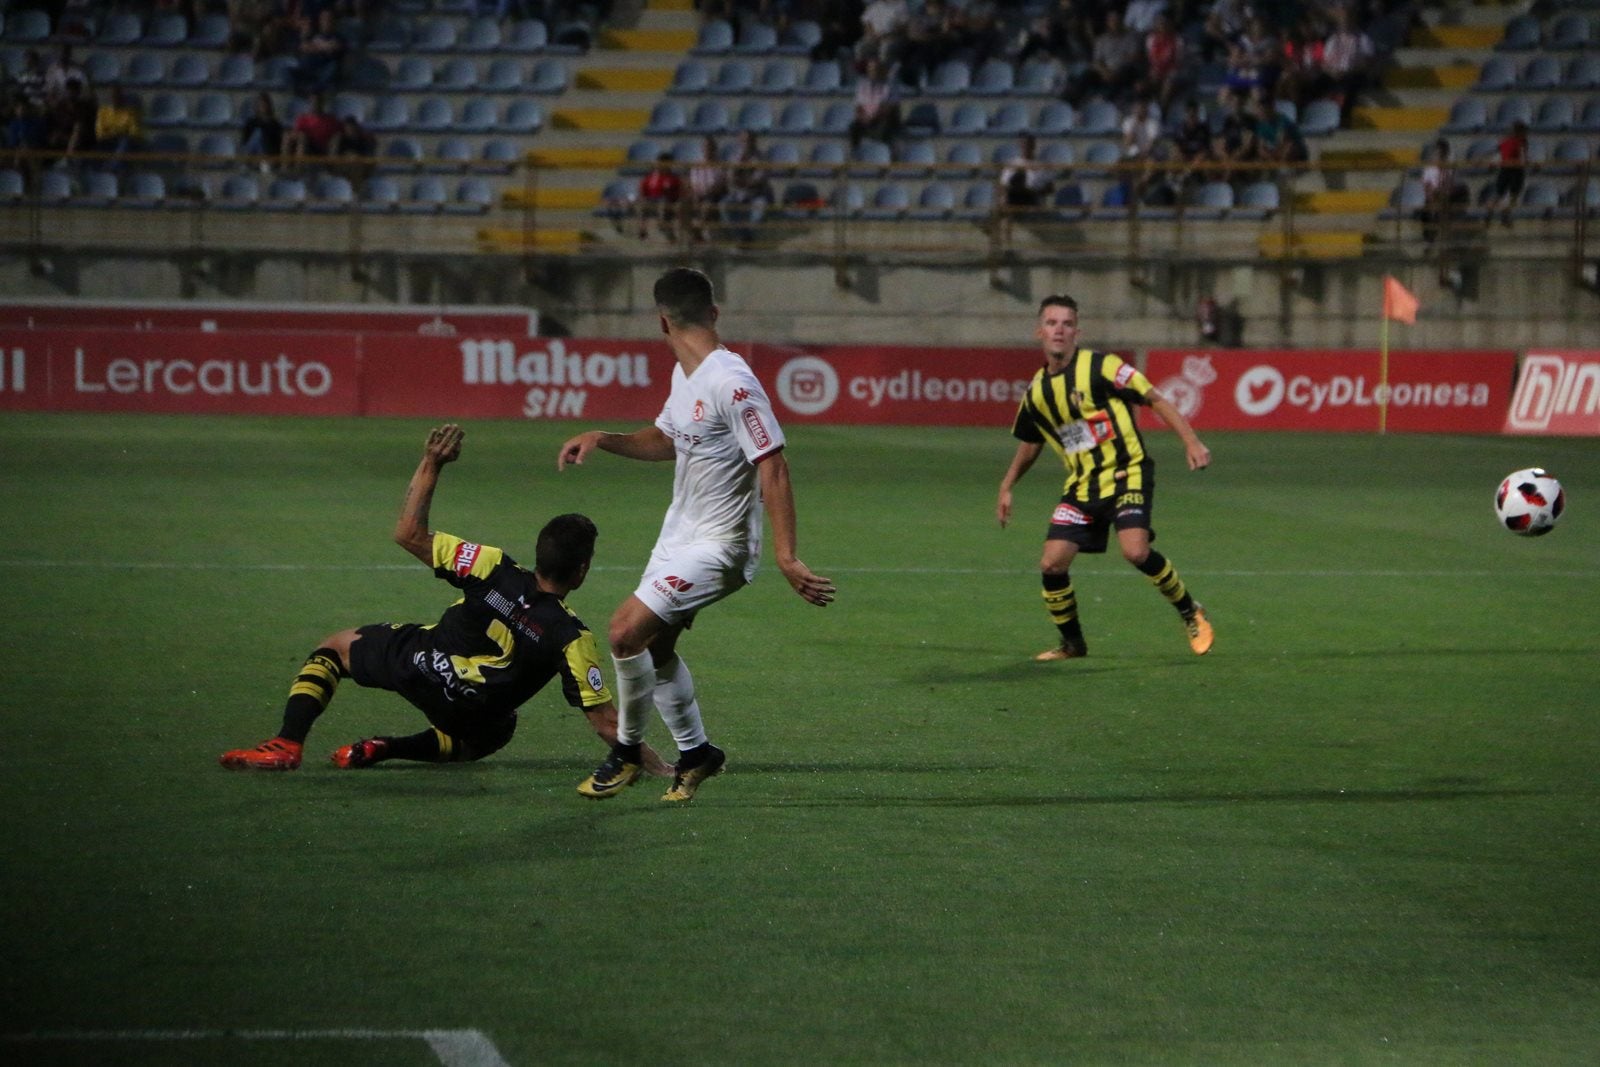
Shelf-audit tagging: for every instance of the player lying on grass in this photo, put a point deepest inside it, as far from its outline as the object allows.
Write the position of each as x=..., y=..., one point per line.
x=492, y=650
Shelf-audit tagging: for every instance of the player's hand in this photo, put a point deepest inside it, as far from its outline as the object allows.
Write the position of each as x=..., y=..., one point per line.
x=654, y=765
x=1199, y=456
x=813, y=587
x=577, y=448
x=444, y=444
x=1002, y=508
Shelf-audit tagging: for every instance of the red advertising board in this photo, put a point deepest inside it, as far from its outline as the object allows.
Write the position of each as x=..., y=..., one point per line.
x=1428, y=392
x=184, y=372
x=447, y=321
x=1558, y=392
x=878, y=385
x=485, y=375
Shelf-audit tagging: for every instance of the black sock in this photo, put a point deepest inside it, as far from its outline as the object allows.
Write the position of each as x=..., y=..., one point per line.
x=629, y=753
x=1062, y=604
x=313, y=688
x=1165, y=578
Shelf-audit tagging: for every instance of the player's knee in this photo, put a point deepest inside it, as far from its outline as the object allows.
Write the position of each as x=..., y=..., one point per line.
x=1136, y=554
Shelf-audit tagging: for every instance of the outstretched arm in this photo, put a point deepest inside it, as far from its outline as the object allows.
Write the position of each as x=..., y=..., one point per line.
x=1027, y=452
x=411, y=529
x=778, y=495
x=648, y=444
x=603, y=717
x=1198, y=455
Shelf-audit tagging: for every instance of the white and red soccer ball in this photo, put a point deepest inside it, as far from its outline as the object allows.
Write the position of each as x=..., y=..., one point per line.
x=1529, y=502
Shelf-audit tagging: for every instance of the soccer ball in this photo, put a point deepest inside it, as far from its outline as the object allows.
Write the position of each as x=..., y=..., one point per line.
x=1529, y=502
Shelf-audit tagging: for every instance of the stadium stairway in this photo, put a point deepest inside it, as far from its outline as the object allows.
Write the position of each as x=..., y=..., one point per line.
x=613, y=88
x=1440, y=59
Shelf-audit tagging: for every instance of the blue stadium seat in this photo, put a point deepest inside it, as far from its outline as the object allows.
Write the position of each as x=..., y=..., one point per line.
x=823, y=78
x=1100, y=157
x=331, y=193
x=219, y=149
x=522, y=116
x=165, y=110
x=1569, y=32
x=235, y=72
x=473, y=197
x=1542, y=72
x=478, y=115
x=1556, y=114
x=401, y=153
x=797, y=118
x=1037, y=78
x=799, y=38
x=189, y=72
x=710, y=116
x=548, y=77
x=210, y=32
x=995, y=77
x=120, y=30
x=641, y=154
x=691, y=77
x=1405, y=201
x=239, y=192
x=481, y=35
x=735, y=77
x=454, y=153
x=922, y=120
x=285, y=194
x=1209, y=201
x=667, y=118
x=870, y=159
x=1467, y=115
x=936, y=201
x=1058, y=154
x=367, y=72
x=836, y=118
x=1499, y=73
x=434, y=35
x=1055, y=119
x=358, y=106
x=784, y=157
x=715, y=38
x=55, y=187
x=1589, y=118
x=1320, y=119
x=1070, y=201
x=778, y=78
x=916, y=159
x=102, y=68
x=527, y=37
x=12, y=187
x=503, y=76
x=1513, y=109
x=848, y=201
x=1569, y=156
x=977, y=203
x=391, y=34
x=1098, y=118
x=754, y=116
x=1540, y=199
x=165, y=30
x=824, y=160
x=391, y=113
x=1582, y=73
x=1009, y=120
x=457, y=75
x=426, y=196
x=1258, y=200
x=499, y=155
x=953, y=77
x=757, y=39
x=969, y=119
x=800, y=199
x=412, y=74
x=962, y=160
x=1521, y=35
x=888, y=202
x=144, y=69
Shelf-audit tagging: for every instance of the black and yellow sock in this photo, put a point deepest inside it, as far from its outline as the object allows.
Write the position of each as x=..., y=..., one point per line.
x=313, y=687
x=430, y=746
x=1062, y=604
x=1160, y=571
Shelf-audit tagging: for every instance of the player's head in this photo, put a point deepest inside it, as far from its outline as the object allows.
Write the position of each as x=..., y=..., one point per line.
x=684, y=299
x=566, y=546
x=1058, y=326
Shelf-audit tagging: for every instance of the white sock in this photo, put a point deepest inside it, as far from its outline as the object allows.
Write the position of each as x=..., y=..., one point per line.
x=635, y=683
x=675, y=701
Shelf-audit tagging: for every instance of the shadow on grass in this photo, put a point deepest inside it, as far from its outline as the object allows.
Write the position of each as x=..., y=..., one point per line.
x=1310, y=796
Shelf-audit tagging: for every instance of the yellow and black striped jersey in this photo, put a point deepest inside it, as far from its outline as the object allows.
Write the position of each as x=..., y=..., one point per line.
x=1085, y=412
x=506, y=638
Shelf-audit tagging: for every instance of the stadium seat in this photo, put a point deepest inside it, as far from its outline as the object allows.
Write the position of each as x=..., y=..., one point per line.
x=1513, y=109
x=210, y=32
x=120, y=29
x=570, y=38
x=1541, y=73
x=888, y=202
x=735, y=77
x=166, y=110
x=1058, y=154
x=1009, y=120
x=235, y=72
x=285, y=194
x=953, y=77
x=1498, y=74
x=548, y=77
x=710, y=117
x=916, y=159
x=454, y=153
x=1209, y=201
x=935, y=202
x=402, y=154
x=848, y=201
x=995, y=77
x=391, y=34
x=778, y=78
x=715, y=38
x=1055, y=119
x=55, y=187
x=1569, y=32
x=757, y=39
x=640, y=156
x=527, y=37
x=391, y=113
x=473, y=197
x=434, y=35
x=962, y=160
x=801, y=199
x=144, y=70
x=1321, y=119
x=102, y=68
x=1540, y=199
x=481, y=35
x=239, y=192
x=799, y=38
x=331, y=193
x=426, y=196
x=796, y=119
x=1582, y=73
x=977, y=203
x=1589, y=118
x=667, y=118
x=165, y=30
x=691, y=77
x=1556, y=114
x=219, y=149
x=358, y=106
x=1258, y=200
x=823, y=78
x=503, y=76
x=836, y=118
x=1405, y=201
x=368, y=73
x=189, y=72
x=457, y=75
x=870, y=159
x=754, y=116
x=478, y=115
x=1521, y=35
x=921, y=120
x=1098, y=118
x=1467, y=115
x=969, y=119
x=412, y=74
x=1037, y=78
x=825, y=160
x=522, y=116
x=499, y=155
x=12, y=187
x=1569, y=156
x=784, y=156
x=1100, y=157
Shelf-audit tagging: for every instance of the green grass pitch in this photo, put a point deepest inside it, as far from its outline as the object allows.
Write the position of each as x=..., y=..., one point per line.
x=1365, y=829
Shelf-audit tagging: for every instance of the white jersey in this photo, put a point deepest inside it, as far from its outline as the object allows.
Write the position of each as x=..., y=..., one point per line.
x=722, y=424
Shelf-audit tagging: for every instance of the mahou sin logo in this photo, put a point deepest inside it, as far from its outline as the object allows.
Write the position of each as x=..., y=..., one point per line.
x=558, y=380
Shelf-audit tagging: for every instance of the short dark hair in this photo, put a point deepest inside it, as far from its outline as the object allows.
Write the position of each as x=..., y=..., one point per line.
x=683, y=295
x=1057, y=300
x=566, y=545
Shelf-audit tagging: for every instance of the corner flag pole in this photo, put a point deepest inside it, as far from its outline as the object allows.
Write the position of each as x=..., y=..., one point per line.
x=1383, y=373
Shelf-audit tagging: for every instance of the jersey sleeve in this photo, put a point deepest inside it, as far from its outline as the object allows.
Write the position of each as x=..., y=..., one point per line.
x=1126, y=380
x=749, y=412
x=463, y=563
x=1025, y=427
x=582, y=682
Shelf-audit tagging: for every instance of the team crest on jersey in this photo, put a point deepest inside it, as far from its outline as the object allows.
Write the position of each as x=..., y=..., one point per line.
x=1067, y=515
x=741, y=395
x=758, y=429
x=1124, y=375
x=466, y=556
x=596, y=682
x=699, y=410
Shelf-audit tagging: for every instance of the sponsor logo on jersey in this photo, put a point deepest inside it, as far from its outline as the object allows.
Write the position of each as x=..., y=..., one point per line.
x=758, y=430
x=741, y=395
x=466, y=556
x=1124, y=375
x=678, y=583
x=699, y=411
x=596, y=682
x=1067, y=515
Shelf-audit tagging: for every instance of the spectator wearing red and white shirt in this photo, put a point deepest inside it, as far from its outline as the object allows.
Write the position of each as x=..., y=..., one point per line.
x=1165, y=57
x=659, y=194
x=1347, y=60
x=313, y=132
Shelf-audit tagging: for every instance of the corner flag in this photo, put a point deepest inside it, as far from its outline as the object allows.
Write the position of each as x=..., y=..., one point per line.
x=1399, y=303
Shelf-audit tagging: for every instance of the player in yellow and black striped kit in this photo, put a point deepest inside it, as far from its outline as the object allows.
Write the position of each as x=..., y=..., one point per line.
x=1081, y=402
x=509, y=635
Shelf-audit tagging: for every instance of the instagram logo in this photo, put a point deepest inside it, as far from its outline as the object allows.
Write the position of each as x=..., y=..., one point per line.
x=807, y=385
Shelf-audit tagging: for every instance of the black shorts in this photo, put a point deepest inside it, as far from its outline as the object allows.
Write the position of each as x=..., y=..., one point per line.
x=394, y=656
x=1089, y=525
x=1509, y=181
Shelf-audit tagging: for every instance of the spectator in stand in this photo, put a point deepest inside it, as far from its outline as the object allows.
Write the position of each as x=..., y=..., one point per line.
x=877, y=105
x=119, y=126
x=25, y=133
x=257, y=27
x=1225, y=23
x=262, y=133
x=981, y=33
x=926, y=45
x=1261, y=51
x=883, y=26
x=63, y=70
x=1141, y=137
x=1512, y=174
x=313, y=134
x=72, y=121
x=1234, y=147
x=1301, y=75
x=749, y=190
x=840, y=22
x=1140, y=15
x=708, y=185
x=659, y=194
x=1348, y=62
x=356, y=149
x=1025, y=182
x=1116, y=65
x=1444, y=196
x=1278, y=138
x=1166, y=67
x=322, y=52
x=1191, y=142
x=29, y=81
x=1064, y=34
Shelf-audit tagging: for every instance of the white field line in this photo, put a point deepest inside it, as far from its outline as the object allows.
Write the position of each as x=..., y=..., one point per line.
x=370, y=568
x=455, y=1048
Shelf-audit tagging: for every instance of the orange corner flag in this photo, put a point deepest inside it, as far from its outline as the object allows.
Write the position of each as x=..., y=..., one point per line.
x=1399, y=303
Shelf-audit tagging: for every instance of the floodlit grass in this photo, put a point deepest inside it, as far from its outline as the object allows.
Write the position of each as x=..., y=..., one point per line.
x=1363, y=830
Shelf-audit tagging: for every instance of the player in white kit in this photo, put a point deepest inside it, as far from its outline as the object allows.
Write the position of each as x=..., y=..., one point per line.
x=719, y=427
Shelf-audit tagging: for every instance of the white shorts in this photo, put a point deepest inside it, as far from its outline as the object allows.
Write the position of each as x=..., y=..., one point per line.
x=678, y=582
